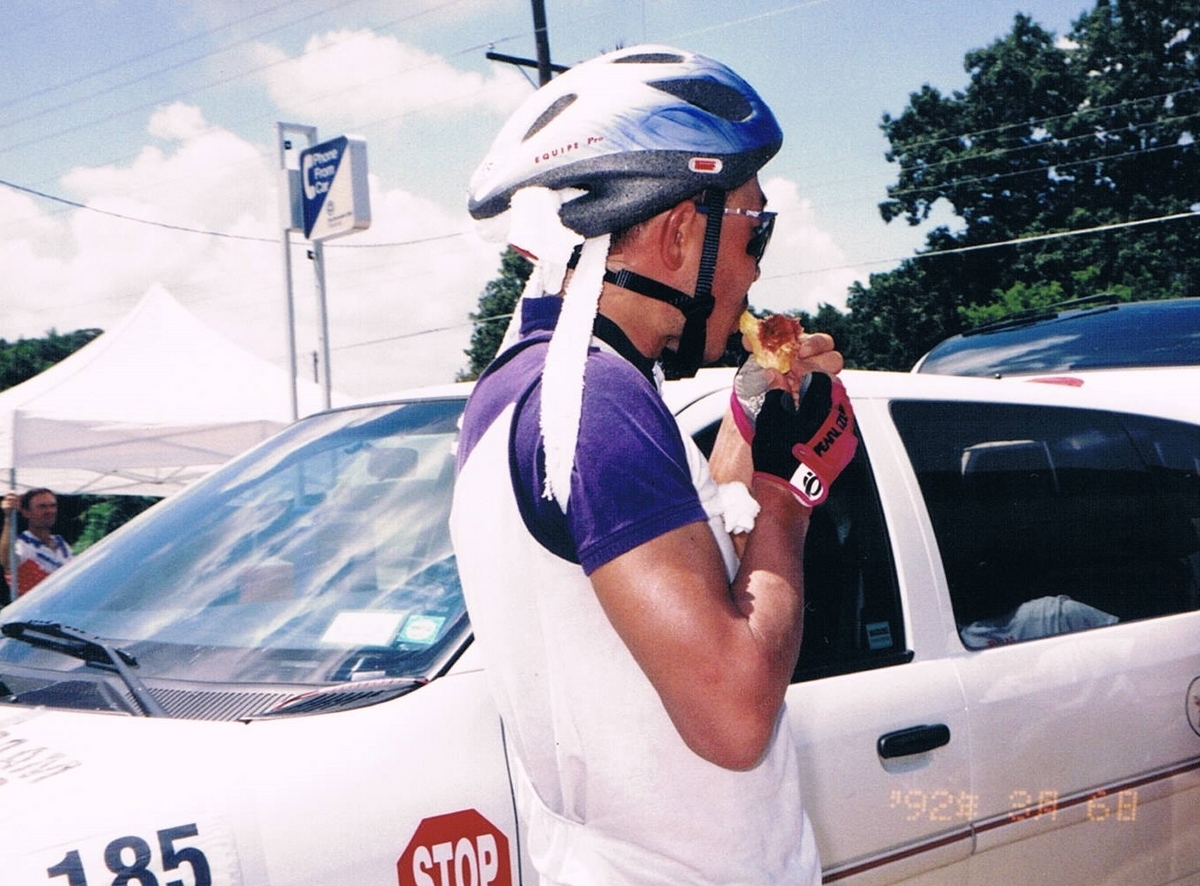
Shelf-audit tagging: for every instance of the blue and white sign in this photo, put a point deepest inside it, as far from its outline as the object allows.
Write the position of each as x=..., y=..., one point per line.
x=333, y=177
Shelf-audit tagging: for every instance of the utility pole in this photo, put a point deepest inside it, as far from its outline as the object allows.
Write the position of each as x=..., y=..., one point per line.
x=541, y=36
x=541, y=33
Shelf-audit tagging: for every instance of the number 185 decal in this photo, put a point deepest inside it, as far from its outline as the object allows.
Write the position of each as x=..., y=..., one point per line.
x=174, y=856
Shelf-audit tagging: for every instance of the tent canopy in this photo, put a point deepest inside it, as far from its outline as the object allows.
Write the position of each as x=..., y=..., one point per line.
x=145, y=408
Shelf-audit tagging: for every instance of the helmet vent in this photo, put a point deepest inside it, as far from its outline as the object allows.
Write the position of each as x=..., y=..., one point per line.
x=716, y=98
x=650, y=58
x=559, y=105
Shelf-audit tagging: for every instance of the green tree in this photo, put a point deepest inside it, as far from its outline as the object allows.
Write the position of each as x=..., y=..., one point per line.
x=101, y=514
x=496, y=305
x=1092, y=134
x=26, y=357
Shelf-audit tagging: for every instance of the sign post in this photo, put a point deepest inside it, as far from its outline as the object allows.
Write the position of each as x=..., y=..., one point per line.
x=323, y=193
x=291, y=213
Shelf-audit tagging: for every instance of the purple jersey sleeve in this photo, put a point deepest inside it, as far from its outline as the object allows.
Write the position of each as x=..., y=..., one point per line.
x=631, y=481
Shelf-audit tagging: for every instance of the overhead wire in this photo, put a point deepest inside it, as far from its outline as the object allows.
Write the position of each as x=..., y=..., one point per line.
x=729, y=23
x=979, y=247
x=78, y=79
x=733, y=22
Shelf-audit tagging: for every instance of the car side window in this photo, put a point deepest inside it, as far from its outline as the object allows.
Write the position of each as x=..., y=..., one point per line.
x=853, y=619
x=1052, y=520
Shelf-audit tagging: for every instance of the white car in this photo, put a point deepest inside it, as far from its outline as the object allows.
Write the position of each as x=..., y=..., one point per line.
x=268, y=679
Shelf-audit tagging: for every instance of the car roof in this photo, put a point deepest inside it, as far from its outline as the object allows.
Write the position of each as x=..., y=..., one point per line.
x=1163, y=393
x=1097, y=337
x=1166, y=394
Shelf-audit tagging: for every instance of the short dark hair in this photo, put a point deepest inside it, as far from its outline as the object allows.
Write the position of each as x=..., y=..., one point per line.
x=27, y=496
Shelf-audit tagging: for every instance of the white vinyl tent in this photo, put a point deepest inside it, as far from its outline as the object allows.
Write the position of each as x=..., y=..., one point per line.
x=144, y=408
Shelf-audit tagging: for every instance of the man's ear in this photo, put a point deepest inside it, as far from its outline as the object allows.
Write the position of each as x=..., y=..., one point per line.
x=683, y=227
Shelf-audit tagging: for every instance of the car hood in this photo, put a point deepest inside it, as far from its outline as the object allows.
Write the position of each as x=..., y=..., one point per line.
x=74, y=782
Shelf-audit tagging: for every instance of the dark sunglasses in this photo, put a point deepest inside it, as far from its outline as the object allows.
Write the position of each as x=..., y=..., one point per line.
x=760, y=235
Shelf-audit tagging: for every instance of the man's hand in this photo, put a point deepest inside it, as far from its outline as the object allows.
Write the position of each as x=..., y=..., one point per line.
x=805, y=447
x=815, y=353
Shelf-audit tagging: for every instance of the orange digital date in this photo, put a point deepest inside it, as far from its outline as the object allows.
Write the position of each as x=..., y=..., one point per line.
x=950, y=806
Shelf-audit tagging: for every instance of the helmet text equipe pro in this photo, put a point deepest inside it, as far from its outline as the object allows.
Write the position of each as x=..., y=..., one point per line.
x=637, y=130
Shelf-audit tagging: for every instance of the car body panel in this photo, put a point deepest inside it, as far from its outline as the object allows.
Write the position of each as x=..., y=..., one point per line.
x=306, y=800
x=1080, y=751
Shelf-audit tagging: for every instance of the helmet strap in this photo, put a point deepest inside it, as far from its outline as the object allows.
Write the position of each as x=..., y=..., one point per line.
x=696, y=309
x=714, y=201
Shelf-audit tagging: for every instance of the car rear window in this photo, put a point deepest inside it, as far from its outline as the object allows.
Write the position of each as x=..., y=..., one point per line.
x=1050, y=519
x=1155, y=333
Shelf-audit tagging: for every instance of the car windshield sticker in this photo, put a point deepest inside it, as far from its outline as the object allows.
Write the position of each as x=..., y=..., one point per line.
x=422, y=629
x=362, y=628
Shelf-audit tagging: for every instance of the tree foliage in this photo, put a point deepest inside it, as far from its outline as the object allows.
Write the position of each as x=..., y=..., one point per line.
x=1091, y=136
x=26, y=357
x=496, y=305
x=99, y=515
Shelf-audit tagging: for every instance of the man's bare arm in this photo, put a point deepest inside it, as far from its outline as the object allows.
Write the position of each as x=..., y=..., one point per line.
x=720, y=657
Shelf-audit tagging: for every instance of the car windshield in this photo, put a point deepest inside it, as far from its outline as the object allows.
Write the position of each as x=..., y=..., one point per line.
x=319, y=559
x=1152, y=333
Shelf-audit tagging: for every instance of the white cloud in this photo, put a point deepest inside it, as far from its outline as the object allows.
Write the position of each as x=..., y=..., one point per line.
x=82, y=268
x=177, y=122
x=400, y=310
x=360, y=75
x=804, y=267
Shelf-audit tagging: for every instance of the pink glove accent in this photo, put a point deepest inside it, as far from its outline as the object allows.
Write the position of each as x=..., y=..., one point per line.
x=826, y=455
x=744, y=425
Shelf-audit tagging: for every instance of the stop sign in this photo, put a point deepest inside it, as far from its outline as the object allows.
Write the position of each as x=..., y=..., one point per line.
x=457, y=849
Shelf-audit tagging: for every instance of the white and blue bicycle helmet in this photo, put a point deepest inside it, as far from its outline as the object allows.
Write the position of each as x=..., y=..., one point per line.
x=608, y=144
x=637, y=130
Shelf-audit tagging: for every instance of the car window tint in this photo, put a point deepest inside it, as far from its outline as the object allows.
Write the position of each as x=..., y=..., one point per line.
x=1156, y=333
x=853, y=619
x=1053, y=520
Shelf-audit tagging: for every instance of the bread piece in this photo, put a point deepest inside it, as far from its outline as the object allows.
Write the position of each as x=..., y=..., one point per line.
x=772, y=340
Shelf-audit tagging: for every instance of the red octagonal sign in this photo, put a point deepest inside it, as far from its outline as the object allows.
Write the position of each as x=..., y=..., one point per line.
x=457, y=849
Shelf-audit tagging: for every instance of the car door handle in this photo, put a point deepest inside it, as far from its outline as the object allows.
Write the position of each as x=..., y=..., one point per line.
x=914, y=740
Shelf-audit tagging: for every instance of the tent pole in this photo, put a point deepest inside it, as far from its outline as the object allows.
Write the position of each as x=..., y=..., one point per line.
x=10, y=592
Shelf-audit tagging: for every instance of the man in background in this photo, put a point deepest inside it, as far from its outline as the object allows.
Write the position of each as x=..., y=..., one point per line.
x=38, y=550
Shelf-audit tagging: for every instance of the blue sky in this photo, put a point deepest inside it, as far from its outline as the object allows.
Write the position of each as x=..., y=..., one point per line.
x=160, y=116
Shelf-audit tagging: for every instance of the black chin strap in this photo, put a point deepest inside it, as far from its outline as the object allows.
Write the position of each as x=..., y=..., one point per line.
x=696, y=309
x=686, y=304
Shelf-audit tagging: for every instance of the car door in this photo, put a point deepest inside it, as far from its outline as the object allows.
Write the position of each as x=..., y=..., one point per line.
x=1068, y=539
x=876, y=707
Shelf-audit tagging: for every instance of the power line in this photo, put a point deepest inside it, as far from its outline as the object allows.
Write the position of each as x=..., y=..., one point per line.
x=730, y=23
x=115, y=66
x=1042, y=122
x=211, y=233
x=977, y=247
x=1042, y=171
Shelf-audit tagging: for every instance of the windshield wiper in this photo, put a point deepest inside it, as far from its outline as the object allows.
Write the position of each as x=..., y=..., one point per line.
x=342, y=696
x=90, y=649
